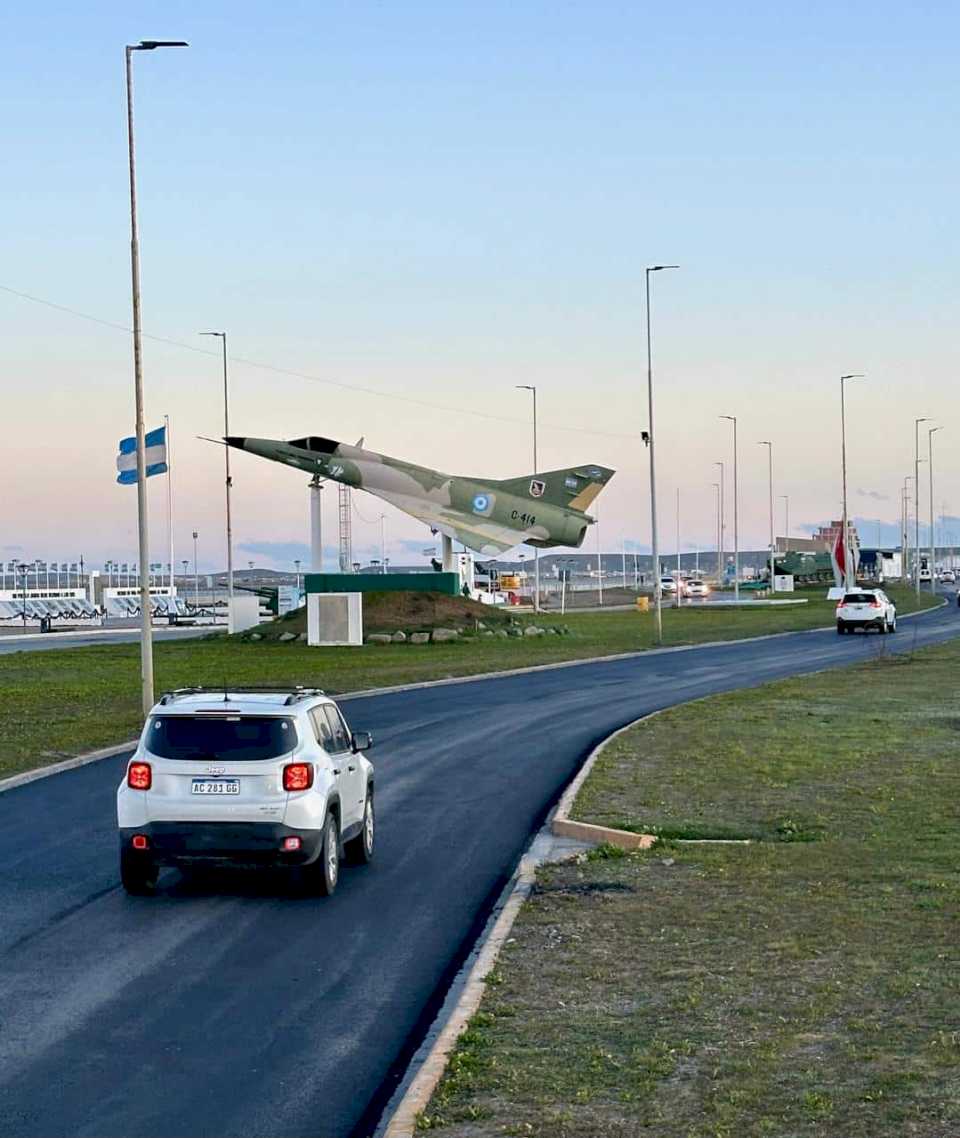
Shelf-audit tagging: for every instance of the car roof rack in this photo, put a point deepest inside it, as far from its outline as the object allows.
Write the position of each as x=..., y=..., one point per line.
x=293, y=694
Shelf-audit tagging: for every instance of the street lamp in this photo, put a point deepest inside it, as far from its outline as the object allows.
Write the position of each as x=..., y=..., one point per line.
x=196, y=574
x=933, y=552
x=847, y=582
x=916, y=486
x=146, y=629
x=736, y=514
x=23, y=570
x=222, y=336
x=722, y=533
x=654, y=538
x=717, y=487
x=536, y=550
x=769, y=445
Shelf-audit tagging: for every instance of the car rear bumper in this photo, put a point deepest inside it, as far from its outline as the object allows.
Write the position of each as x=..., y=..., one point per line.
x=234, y=843
x=873, y=622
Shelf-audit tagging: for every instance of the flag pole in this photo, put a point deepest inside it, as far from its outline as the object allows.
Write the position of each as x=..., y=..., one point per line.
x=166, y=426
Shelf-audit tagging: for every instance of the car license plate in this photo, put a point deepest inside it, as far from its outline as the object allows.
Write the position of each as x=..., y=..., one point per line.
x=215, y=786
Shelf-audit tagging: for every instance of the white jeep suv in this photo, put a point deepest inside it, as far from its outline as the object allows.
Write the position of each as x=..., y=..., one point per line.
x=866, y=608
x=240, y=777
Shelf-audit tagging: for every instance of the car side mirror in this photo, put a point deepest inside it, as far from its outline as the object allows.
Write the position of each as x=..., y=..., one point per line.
x=361, y=741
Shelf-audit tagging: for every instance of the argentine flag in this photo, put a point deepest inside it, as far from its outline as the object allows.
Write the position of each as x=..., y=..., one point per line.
x=155, y=456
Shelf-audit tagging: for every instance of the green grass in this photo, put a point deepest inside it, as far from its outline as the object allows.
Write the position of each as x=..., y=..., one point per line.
x=54, y=704
x=804, y=984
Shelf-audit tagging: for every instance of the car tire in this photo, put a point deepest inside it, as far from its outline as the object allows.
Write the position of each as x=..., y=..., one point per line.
x=138, y=874
x=359, y=850
x=893, y=625
x=323, y=875
x=841, y=628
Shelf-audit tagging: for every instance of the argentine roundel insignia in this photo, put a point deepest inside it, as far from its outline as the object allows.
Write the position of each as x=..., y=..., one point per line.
x=481, y=503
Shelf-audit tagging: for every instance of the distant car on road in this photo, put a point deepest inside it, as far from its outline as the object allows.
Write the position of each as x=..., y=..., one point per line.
x=668, y=585
x=254, y=778
x=866, y=608
x=948, y=577
x=697, y=588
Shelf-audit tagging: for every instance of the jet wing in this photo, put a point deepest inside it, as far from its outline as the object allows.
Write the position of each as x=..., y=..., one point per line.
x=478, y=534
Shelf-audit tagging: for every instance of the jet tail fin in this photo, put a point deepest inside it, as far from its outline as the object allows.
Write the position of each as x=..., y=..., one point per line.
x=575, y=488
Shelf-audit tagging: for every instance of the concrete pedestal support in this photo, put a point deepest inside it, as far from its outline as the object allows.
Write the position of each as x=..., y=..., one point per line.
x=316, y=526
x=446, y=554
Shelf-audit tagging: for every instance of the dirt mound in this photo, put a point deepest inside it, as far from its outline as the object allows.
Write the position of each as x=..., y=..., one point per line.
x=410, y=611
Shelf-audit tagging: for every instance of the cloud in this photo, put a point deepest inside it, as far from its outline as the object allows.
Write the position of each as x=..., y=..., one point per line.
x=875, y=495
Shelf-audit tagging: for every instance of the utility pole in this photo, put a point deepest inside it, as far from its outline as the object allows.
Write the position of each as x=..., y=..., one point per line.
x=769, y=445
x=228, y=481
x=654, y=540
x=916, y=490
x=536, y=467
x=736, y=514
x=933, y=542
x=723, y=528
x=849, y=580
x=146, y=627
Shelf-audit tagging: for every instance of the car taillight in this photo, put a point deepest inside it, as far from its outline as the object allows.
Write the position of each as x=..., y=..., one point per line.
x=139, y=776
x=297, y=776
x=875, y=604
x=140, y=842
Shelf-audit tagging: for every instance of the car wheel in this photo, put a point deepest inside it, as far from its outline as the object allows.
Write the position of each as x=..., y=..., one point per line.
x=324, y=873
x=359, y=850
x=138, y=874
x=840, y=629
x=893, y=625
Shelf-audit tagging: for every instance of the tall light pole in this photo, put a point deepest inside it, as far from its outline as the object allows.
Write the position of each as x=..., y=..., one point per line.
x=933, y=543
x=736, y=514
x=196, y=573
x=536, y=551
x=916, y=488
x=716, y=486
x=769, y=445
x=222, y=336
x=723, y=528
x=654, y=540
x=679, y=579
x=146, y=629
x=848, y=582
x=905, y=568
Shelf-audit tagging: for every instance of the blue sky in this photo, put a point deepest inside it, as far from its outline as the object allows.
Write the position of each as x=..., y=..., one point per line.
x=436, y=202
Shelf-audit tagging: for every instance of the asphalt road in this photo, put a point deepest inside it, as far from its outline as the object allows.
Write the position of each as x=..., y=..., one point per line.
x=87, y=638
x=232, y=1007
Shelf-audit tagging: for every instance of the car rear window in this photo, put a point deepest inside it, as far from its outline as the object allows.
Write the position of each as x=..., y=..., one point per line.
x=859, y=599
x=236, y=737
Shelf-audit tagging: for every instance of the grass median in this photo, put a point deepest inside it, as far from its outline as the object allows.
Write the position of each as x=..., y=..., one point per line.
x=802, y=984
x=54, y=704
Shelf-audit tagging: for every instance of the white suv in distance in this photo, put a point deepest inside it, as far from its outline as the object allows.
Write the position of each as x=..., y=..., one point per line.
x=866, y=608
x=253, y=778
x=698, y=588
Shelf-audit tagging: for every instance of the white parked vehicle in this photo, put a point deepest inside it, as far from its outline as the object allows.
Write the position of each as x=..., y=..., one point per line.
x=254, y=778
x=866, y=608
x=948, y=577
x=668, y=584
x=697, y=588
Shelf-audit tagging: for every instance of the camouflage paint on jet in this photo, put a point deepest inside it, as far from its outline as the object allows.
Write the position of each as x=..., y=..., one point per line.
x=486, y=516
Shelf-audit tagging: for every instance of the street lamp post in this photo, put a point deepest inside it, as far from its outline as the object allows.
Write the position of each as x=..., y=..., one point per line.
x=736, y=514
x=916, y=489
x=769, y=445
x=146, y=630
x=222, y=336
x=654, y=540
x=536, y=551
x=196, y=574
x=847, y=559
x=722, y=533
x=933, y=543
x=23, y=582
x=679, y=578
x=716, y=486
x=905, y=543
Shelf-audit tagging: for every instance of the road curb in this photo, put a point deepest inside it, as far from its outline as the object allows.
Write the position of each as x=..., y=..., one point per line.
x=37, y=773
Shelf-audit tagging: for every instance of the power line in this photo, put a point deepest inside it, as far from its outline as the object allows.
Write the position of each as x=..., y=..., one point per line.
x=277, y=370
